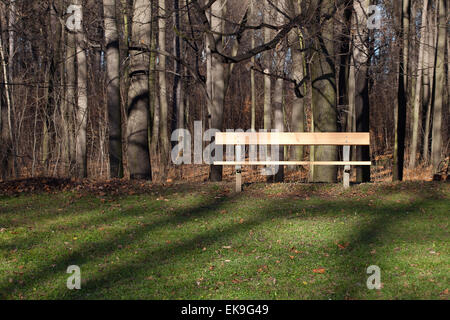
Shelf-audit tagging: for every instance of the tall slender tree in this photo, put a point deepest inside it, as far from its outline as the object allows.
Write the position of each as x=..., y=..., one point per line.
x=113, y=88
x=417, y=102
x=428, y=73
x=177, y=101
x=82, y=103
x=267, y=79
x=361, y=94
x=439, y=90
x=163, y=89
x=402, y=94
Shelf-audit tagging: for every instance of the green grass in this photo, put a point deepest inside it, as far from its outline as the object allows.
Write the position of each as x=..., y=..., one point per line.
x=204, y=242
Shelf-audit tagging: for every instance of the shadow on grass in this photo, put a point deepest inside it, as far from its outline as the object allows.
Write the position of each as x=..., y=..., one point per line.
x=348, y=262
x=106, y=246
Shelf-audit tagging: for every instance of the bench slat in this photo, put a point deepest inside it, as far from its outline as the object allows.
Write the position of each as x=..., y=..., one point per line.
x=293, y=138
x=292, y=163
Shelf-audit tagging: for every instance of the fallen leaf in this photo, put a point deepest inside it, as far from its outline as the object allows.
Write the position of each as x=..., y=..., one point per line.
x=320, y=270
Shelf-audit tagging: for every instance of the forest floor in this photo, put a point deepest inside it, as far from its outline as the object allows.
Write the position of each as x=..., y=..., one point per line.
x=202, y=241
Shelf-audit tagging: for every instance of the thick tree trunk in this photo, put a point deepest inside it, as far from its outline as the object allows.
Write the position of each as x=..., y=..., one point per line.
x=218, y=81
x=138, y=99
x=113, y=88
x=280, y=60
x=361, y=60
x=324, y=92
x=298, y=108
x=439, y=90
x=420, y=67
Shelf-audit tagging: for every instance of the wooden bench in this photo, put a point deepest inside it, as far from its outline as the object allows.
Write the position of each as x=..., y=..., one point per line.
x=241, y=139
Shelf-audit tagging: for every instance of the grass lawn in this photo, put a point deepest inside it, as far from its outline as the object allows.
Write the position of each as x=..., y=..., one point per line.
x=279, y=241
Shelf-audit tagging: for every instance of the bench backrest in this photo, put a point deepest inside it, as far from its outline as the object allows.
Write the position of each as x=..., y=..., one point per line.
x=294, y=138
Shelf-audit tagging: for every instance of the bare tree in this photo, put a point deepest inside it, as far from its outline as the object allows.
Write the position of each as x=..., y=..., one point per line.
x=402, y=95
x=360, y=61
x=439, y=82
x=113, y=88
x=324, y=86
x=428, y=73
x=420, y=66
x=217, y=76
x=138, y=99
x=296, y=43
x=163, y=89
x=82, y=103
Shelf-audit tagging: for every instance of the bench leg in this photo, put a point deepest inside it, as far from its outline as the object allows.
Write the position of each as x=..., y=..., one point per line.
x=346, y=168
x=238, y=170
x=238, y=179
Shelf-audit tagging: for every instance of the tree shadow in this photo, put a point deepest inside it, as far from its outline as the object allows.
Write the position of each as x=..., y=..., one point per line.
x=347, y=262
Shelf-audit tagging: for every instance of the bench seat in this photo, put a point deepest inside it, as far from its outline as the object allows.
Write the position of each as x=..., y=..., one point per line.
x=241, y=139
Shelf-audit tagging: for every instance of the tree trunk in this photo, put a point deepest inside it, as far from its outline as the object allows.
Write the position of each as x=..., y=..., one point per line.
x=420, y=66
x=209, y=79
x=6, y=155
x=267, y=80
x=361, y=60
x=113, y=88
x=253, y=14
x=439, y=90
x=138, y=99
x=8, y=150
x=153, y=92
x=178, y=108
x=402, y=96
x=280, y=60
x=298, y=61
x=324, y=91
x=163, y=90
x=428, y=84
x=218, y=81
x=82, y=110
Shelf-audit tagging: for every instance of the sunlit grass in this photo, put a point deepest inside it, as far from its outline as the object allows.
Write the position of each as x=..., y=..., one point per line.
x=204, y=242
